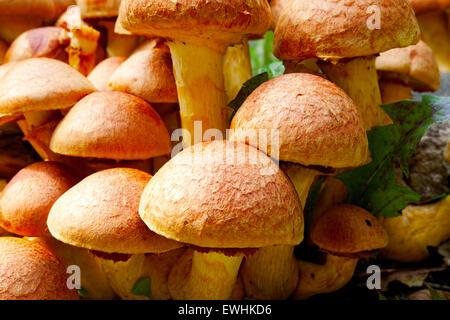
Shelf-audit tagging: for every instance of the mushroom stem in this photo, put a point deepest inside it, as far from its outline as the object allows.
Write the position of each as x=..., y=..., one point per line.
x=435, y=32
x=237, y=68
x=270, y=273
x=392, y=92
x=204, y=276
x=198, y=72
x=305, y=66
x=302, y=178
x=118, y=45
x=358, y=78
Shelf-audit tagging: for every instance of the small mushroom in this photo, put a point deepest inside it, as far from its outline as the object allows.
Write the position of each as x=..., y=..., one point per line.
x=99, y=76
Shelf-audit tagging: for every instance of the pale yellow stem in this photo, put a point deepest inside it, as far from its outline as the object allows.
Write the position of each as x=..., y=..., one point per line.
x=358, y=78
x=435, y=32
x=271, y=273
x=118, y=45
x=302, y=178
x=392, y=92
x=198, y=72
x=204, y=276
x=237, y=68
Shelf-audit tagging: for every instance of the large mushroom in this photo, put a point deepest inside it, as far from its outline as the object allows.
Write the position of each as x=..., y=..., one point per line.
x=100, y=214
x=313, y=128
x=402, y=70
x=200, y=32
x=346, y=36
x=222, y=198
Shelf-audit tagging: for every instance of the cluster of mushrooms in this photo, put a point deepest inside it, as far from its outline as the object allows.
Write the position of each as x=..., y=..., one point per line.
x=99, y=89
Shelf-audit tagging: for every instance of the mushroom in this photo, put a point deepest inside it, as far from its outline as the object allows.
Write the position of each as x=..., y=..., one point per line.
x=28, y=197
x=48, y=42
x=29, y=271
x=401, y=70
x=222, y=198
x=100, y=75
x=277, y=7
x=111, y=128
x=35, y=89
x=346, y=233
x=433, y=22
x=3, y=49
x=418, y=227
x=198, y=44
x=100, y=213
x=347, y=43
x=313, y=128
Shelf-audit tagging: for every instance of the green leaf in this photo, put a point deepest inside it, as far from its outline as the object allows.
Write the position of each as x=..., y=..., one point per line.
x=84, y=294
x=373, y=186
x=247, y=88
x=143, y=287
x=433, y=293
x=262, y=58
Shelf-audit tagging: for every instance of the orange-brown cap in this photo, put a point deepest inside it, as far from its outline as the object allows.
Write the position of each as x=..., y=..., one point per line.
x=49, y=42
x=335, y=29
x=147, y=73
x=112, y=125
x=99, y=8
x=315, y=121
x=277, y=7
x=223, y=194
x=212, y=23
x=49, y=10
x=99, y=76
x=28, y=197
x=101, y=213
x=421, y=6
x=29, y=271
x=38, y=84
x=415, y=66
x=348, y=229
x=3, y=49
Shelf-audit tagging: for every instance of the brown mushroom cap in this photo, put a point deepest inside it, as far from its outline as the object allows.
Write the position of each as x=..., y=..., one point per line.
x=415, y=66
x=147, y=73
x=3, y=49
x=101, y=213
x=346, y=229
x=317, y=123
x=111, y=125
x=277, y=7
x=49, y=10
x=212, y=23
x=100, y=75
x=28, y=197
x=223, y=194
x=421, y=6
x=39, y=42
x=29, y=271
x=335, y=29
x=99, y=8
x=41, y=84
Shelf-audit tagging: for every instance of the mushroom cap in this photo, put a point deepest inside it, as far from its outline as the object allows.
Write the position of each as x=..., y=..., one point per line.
x=3, y=49
x=317, y=123
x=100, y=75
x=213, y=23
x=347, y=229
x=277, y=7
x=28, y=197
x=147, y=73
x=99, y=8
x=38, y=84
x=101, y=213
x=223, y=194
x=336, y=29
x=421, y=6
x=50, y=10
x=111, y=125
x=46, y=42
x=29, y=271
x=415, y=66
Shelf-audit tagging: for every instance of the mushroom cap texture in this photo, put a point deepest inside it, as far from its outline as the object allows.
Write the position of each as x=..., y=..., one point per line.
x=421, y=6
x=50, y=10
x=316, y=122
x=39, y=84
x=147, y=73
x=101, y=213
x=223, y=194
x=100, y=75
x=111, y=125
x=213, y=23
x=29, y=271
x=39, y=42
x=29, y=196
x=415, y=66
x=336, y=29
x=347, y=228
x=99, y=8
x=277, y=7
